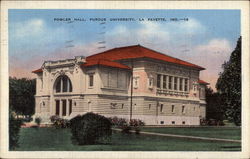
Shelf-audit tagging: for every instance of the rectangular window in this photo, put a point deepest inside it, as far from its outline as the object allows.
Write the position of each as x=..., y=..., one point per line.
x=183, y=122
x=181, y=85
x=173, y=122
x=161, y=108
x=172, y=109
x=164, y=81
x=91, y=80
x=170, y=82
x=149, y=106
x=186, y=85
x=64, y=107
x=158, y=81
x=175, y=83
x=183, y=109
x=57, y=107
x=70, y=106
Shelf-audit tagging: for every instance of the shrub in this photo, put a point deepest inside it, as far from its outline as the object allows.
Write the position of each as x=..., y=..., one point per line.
x=90, y=129
x=58, y=122
x=136, y=124
x=14, y=128
x=126, y=125
x=38, y=120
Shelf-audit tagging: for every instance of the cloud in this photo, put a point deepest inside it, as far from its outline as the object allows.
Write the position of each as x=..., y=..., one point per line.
x=33, y=27
x=178, y=39
x=211, y=56
x=34, y=36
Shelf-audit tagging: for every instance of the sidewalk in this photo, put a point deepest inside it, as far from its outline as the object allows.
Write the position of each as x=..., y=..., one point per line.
x=184, y=136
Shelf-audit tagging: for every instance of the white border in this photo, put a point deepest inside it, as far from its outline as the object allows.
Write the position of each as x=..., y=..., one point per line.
x=242, y=5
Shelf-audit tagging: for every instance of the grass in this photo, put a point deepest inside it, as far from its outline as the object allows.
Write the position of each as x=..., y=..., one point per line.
x=51, y=139
x=214, y=132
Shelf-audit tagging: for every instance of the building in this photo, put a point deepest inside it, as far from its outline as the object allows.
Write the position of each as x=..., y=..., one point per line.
x=165, y=90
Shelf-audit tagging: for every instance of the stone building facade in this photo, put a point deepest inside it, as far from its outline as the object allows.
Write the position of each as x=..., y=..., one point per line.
x=130, y=82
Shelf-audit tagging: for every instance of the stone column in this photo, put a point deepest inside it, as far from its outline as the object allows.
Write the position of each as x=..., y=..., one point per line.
x=167, y=82
x=67, y=107
x=178, y=84
x=172, y=82
x=161, y=86
x=183, y=84
x=60, y=108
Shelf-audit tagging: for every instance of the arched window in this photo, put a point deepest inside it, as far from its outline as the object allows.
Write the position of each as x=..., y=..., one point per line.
x=63, y=84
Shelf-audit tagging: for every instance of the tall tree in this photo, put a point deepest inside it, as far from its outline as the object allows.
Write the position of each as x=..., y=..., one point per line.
x=21, y=95
x=214, y=106
x=229, y=85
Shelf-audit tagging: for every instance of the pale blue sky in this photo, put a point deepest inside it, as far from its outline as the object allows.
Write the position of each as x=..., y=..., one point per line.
x=207, y=38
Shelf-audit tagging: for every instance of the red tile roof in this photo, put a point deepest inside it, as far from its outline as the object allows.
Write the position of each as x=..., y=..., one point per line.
x=202, y=82
x=104, y=62
x=137, y=51
x=37, y=71
x=108, y=58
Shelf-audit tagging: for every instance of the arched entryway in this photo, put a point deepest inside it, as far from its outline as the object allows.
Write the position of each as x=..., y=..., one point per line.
x=62, y=96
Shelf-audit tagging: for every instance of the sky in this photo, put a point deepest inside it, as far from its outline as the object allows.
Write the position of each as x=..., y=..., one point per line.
x=202, y=37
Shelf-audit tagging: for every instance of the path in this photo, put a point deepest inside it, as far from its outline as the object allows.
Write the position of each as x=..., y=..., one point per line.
x=185, y=136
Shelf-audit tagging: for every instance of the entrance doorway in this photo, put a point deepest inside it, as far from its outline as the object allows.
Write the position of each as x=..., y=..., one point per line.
x=63, y=107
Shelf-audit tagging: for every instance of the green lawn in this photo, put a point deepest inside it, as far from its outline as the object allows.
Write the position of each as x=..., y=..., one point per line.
x=214, y=132
x=51, y=139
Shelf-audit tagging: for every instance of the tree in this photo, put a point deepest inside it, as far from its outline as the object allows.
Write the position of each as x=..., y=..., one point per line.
x=214, y=106
x=14, y=129
x=229, y=85
x=21, y=95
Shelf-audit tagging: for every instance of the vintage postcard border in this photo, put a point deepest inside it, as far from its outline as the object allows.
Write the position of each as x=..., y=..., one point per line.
x=241, y=5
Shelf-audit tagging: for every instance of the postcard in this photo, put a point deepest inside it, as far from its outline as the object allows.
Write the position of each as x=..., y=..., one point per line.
x=124, y=79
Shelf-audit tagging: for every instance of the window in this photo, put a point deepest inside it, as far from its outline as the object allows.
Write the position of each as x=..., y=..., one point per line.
x=183, y=122
x=181, y=85
x=57, y=107
x=158, y=81
x=70, y=106
x=161, y=108
x=91, y=80
x=183, y=109
x=149, y=106
x=175, y=83
x=172, y=109
x=162, y=122
x=64, y=107
x=170, y=82
x=63, y=84
x=164, y=81
x=173, y=122
x=186, y=85
x=122, y=106
x=194, y=108
x=114, y=78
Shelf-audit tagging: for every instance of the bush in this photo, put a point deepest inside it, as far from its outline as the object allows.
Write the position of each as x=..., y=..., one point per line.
x=136, y=124
x=27, y=119
x=126, y=125
x=90, y=129
x=14, y=128
x=59, y=122
x=38, y=120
